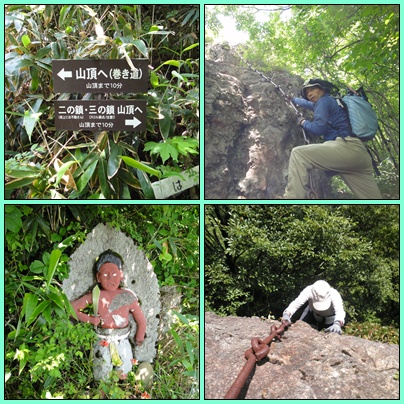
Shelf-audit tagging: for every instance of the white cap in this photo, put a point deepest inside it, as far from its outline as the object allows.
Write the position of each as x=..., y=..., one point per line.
x=321, y=295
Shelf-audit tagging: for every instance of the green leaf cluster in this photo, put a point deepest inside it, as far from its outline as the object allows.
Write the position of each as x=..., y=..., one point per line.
x=259, y=258
x=43, y=163
x=173, y=147
x=182, y=357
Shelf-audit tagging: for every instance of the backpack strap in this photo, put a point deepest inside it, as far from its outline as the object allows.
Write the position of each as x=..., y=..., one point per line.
x=374, y=164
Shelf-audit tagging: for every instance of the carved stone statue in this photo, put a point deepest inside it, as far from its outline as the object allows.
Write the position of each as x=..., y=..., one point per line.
x=125, y=319
x=111, y=308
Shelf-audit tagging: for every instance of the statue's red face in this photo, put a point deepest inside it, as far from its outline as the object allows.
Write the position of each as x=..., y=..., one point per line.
x=109, y=276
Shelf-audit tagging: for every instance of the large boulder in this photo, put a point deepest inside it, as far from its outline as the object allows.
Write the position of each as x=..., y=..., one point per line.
x=249, y=129
x=305, y=364
x=138, y=277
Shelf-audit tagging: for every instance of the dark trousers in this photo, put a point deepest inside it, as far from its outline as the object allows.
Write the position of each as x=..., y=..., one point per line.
x=308, y=317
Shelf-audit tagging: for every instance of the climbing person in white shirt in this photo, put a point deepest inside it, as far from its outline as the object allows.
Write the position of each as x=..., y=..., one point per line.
x=325, y=308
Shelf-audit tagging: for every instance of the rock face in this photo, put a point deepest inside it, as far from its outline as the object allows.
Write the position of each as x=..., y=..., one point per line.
x=305, y=364
x=170, y=300
x=249, y=129
x=138, y=277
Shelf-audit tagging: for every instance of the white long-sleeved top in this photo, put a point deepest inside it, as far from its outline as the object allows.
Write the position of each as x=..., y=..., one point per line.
x=336, y=307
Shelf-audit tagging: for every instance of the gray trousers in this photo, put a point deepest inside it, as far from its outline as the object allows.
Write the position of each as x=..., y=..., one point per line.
x=347, y=156
x=315, y=320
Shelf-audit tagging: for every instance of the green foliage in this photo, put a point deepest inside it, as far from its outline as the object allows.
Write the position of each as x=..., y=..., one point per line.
x=48, y=357
x=117, y=389
x=56, y=355
x=173, y=147
x=374, y=331
x=259, y=258
x=43, y=163
x=182, y=355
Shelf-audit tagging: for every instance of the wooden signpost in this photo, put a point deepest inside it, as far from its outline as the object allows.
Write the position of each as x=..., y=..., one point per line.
x=103, y=77
x=93, y=115
x=100, y=76
x=106, y=77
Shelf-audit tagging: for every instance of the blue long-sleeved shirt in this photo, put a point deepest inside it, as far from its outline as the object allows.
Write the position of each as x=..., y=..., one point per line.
x=330, y=120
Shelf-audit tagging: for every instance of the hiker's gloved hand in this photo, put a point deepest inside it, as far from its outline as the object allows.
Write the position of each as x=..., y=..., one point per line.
x=299, y=121
x=286, y=317
x=289, y=98
x=336, y=327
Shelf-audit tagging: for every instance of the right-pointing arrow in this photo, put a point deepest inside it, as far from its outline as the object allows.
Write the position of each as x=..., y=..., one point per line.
x=133, y=122
x=64, y=74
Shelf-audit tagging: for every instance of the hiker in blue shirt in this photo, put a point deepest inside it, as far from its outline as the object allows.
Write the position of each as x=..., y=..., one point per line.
x=341, y=152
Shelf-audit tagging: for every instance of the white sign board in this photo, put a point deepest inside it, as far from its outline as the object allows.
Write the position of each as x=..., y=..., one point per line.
x=173, y=185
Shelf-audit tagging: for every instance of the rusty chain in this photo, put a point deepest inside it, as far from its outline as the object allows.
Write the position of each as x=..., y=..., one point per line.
x=258, y=351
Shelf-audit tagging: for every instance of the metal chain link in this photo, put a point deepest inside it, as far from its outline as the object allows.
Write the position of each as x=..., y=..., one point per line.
x=258, y=351
x=311, y=193
x=285, y=96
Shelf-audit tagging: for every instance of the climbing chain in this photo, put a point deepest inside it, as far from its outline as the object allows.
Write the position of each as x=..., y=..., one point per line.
x=311, y=193
x=258, y=351
x=285, y=96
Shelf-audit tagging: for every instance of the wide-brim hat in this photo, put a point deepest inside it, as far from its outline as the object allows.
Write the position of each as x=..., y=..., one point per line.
x=310, y=83
x=321, y=296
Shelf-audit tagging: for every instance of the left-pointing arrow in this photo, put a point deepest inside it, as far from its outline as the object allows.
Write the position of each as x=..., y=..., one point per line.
x=63, y=74
x=132, y=122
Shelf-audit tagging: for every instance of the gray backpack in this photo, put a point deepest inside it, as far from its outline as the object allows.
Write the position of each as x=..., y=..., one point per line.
x=362, y=117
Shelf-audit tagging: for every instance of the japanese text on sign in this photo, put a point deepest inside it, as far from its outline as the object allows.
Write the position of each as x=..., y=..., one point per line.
x=173, y=185
x=129, y=115
x=112, y=75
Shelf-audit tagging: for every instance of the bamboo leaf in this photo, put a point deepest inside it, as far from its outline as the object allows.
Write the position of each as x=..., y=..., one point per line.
x=62, y=16
x=165, y=121
x=137, y=164
x=18, y=183
x=31, y=117
x=129, y=178
x=141, y=46
x=114, y=160
x=22, y=171
x=176, y=74
x=38, y=310
x=64, y=174
x=83, y=181
x=171, y=62
x=154, y=81
x=53, y=262
x=190, y=47
x=28, y=306
x=146, y=184
x=102, y=177
x=56, y=298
